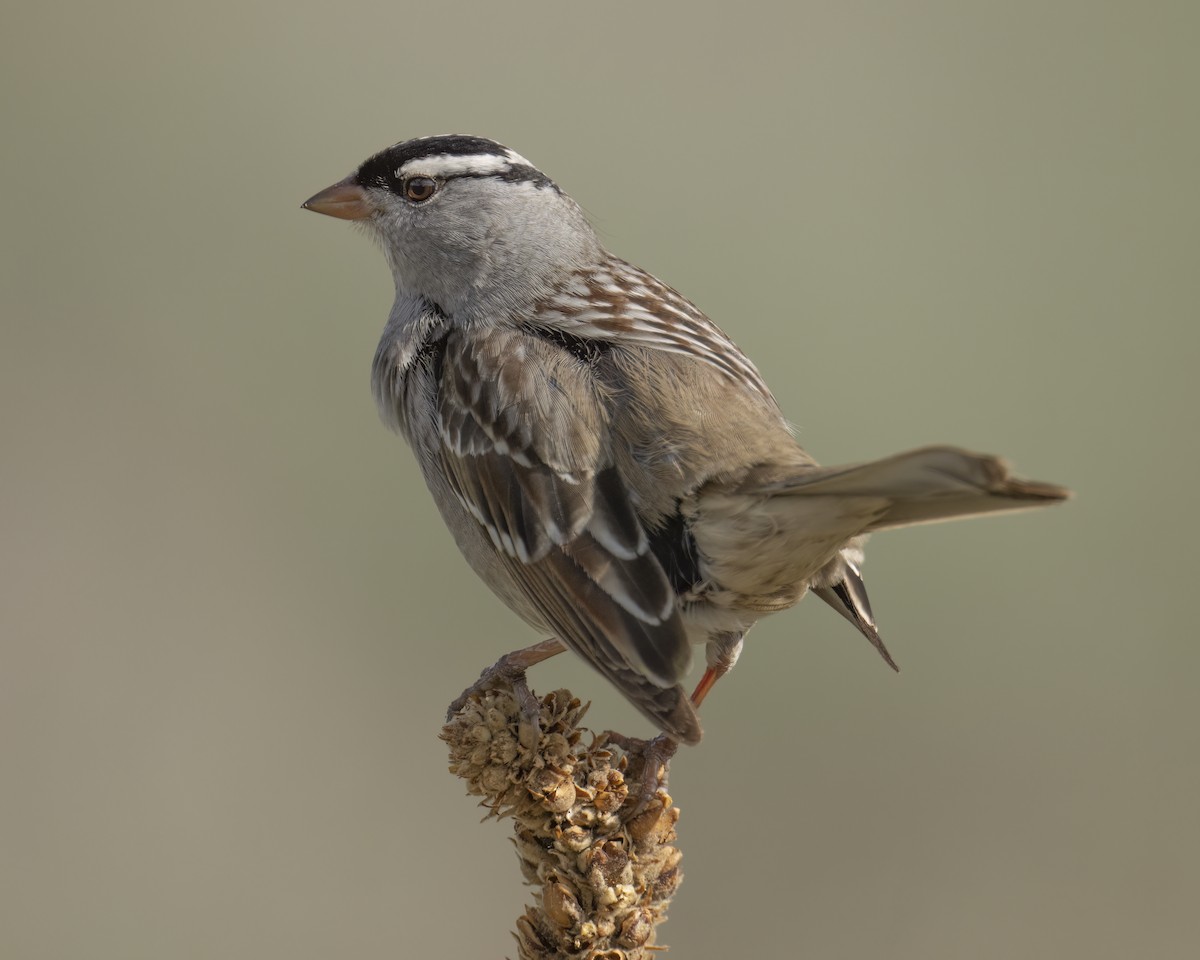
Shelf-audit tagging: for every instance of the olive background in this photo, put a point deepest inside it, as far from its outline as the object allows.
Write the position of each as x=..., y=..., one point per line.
x=230, y=620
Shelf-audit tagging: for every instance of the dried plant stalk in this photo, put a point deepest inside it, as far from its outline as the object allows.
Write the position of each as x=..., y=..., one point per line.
x=604, y=873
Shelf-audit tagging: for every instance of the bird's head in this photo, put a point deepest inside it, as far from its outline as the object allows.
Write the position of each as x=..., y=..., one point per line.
x=465, y=223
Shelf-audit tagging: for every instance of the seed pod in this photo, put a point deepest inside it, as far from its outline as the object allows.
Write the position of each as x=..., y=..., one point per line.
x=560, y=905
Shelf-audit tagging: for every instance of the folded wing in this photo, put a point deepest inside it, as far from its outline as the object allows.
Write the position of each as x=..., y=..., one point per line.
x=558, y=513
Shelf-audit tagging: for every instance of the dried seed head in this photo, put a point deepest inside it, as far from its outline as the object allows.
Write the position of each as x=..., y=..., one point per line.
x=606, y=876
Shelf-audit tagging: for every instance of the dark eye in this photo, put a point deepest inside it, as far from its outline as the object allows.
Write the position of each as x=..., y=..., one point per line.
x=417, y=189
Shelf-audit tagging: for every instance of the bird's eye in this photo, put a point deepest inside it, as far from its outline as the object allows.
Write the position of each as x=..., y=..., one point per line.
x=418, y=189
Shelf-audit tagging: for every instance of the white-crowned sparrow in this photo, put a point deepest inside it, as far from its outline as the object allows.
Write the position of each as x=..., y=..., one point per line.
x=608, y=461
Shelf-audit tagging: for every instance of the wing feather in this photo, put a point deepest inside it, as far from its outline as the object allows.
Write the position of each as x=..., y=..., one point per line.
x=524, y=445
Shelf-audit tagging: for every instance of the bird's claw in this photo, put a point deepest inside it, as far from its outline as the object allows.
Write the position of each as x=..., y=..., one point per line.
x=507, y=673
x=649, y=766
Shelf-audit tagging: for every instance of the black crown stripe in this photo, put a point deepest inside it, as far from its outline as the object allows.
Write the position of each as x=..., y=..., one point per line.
x=380, y=170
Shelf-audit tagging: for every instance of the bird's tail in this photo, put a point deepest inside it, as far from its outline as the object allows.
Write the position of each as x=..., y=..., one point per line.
x=924, y=486
x=841, y=586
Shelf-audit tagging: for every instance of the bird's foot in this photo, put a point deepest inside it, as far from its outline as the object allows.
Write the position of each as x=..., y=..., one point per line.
x=509, y=673
x=649, y=766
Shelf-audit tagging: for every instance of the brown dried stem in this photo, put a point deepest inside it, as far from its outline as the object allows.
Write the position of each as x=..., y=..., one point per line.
x=604, y=873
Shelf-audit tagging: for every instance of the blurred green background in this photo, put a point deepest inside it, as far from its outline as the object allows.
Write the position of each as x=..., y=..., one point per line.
x=230, y=620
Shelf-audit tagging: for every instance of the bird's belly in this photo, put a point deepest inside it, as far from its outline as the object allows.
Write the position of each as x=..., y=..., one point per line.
x=719, y=614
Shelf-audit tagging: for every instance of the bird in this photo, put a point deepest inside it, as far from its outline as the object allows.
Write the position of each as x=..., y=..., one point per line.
x=608, y=461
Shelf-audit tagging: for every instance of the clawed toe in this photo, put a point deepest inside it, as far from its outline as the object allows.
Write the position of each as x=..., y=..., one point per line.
x=649, y=767
x=509, y=672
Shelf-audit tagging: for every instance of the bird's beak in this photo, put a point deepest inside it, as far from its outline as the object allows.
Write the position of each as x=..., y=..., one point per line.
x=345, y=200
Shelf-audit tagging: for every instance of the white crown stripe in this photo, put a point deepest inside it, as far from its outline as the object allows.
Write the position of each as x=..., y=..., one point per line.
x=451, y=165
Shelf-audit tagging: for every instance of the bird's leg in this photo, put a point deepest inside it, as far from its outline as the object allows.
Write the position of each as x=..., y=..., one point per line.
x=650, y=766
x=722, y=653
x=509, y=671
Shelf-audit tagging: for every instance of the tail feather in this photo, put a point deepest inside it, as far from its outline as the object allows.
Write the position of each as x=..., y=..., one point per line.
x=847, y=594
x=925, y=486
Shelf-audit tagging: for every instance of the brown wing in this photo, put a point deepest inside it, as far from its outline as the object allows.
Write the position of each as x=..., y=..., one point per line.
x=524, y=444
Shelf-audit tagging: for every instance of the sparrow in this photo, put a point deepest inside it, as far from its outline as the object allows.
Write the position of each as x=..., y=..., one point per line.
x=608, y=461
